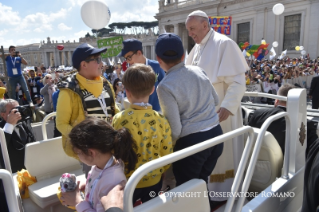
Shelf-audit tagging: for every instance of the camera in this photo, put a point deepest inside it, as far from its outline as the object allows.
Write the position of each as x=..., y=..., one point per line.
x=109, y=69
x=17, y=54
x=25, y=111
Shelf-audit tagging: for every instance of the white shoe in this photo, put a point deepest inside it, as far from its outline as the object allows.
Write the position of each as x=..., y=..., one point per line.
x=31, y=104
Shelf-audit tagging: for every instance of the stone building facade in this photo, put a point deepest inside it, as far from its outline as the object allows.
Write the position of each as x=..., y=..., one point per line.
x=252, y=20
x=47, y=53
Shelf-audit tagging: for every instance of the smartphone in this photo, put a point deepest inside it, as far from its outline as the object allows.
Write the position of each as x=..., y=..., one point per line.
x=17, y=54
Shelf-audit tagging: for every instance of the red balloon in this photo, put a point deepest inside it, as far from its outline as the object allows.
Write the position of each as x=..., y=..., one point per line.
x=60, y=47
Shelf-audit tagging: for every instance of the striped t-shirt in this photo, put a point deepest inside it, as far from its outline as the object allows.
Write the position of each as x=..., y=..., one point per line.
x=94, y=108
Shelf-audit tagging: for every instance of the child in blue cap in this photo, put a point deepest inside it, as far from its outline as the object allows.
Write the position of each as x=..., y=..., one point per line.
x=133, y=53
x=188, y=101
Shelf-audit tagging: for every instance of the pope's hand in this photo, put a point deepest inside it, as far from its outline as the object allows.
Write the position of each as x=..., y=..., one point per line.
x=223, y=114
x=114, y=198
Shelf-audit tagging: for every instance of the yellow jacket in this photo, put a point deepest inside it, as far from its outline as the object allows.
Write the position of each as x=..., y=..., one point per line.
x=2, y=92
x=152, y=134
x=70, y=110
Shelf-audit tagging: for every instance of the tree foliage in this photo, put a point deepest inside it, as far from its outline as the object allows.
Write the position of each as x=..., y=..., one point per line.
x=134, y=27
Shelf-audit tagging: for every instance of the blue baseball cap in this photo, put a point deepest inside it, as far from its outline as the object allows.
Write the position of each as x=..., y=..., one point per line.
x=130, y=45
x=169, y=42
x=84, y=51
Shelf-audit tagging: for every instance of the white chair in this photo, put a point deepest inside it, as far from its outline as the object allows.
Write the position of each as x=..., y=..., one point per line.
x=47, y=161
x=269, y=163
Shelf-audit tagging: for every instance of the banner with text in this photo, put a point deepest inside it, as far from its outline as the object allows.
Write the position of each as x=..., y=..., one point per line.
x=221, y=24
x=114, y=46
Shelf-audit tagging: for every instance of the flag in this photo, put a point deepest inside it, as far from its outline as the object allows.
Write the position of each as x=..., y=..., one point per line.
x=244, y=53
x=186, y=56
x=164, y=31
x=272, y=54
x=283, y=54
x=110, y=63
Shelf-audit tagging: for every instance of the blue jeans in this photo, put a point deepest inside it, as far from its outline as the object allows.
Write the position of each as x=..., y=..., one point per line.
x=12, y=82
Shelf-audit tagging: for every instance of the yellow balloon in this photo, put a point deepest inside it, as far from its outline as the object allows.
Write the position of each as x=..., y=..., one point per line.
x=248, y=55
x=297, y=48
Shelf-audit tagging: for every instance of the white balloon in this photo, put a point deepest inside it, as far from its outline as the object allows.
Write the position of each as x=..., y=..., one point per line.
x=302, y=48
x=303, y=52
x=275, y=44
x=278, y=9
x=95, y=14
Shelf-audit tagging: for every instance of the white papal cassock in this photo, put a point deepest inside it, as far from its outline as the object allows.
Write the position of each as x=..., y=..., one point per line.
x=225, y=66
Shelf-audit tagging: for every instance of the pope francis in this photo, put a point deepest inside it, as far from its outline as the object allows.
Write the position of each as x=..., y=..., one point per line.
x=225, y=66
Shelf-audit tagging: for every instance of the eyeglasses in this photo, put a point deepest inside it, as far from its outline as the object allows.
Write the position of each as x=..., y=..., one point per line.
x=48, y=78
x=129, y=58
x=98, y=60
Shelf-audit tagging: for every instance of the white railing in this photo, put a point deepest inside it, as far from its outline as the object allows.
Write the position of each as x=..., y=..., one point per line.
x=253, y=160
x=44, y=123
x=144, y=169
x=9, y=190
x=271, y=96
x=4, y=151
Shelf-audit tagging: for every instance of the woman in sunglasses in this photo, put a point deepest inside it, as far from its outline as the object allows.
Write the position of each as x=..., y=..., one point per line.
x=117, y=74
x=119, y=92
x=47, y=91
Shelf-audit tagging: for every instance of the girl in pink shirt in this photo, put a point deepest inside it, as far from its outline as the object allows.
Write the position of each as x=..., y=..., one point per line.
x=98, y=145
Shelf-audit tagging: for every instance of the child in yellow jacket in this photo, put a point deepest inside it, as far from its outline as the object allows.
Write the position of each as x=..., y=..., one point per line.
x=150, y=130
x=84, y=94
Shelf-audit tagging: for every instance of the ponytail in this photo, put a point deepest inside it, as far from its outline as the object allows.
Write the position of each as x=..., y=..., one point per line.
x=125, y=148
x=98, y=134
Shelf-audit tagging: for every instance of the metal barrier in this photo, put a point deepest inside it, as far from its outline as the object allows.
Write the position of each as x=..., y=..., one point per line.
x=256, y=151
x=144, y=169
x=44, y=122
x=271, y=96
x=9, y=189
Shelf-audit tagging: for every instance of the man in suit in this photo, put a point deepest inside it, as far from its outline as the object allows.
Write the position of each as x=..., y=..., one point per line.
x=17, y=134
x=314, y=92
x=278, y=127
x=311, y=177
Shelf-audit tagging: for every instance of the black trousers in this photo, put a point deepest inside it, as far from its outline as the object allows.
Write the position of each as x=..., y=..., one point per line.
x=201, y=164
x=147, y=193
x=56, y=132
x=3, y=200
x=315, y=104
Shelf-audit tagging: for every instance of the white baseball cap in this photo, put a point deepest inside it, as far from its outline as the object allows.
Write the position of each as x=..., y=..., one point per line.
x=198, y=13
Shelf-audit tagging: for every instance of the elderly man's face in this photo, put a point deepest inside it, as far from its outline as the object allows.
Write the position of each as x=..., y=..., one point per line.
x=9, y=107
x=196, y=28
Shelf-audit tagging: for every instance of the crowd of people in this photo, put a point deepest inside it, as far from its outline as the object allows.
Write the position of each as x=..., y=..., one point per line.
x=165, y=114
x=281, y=69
